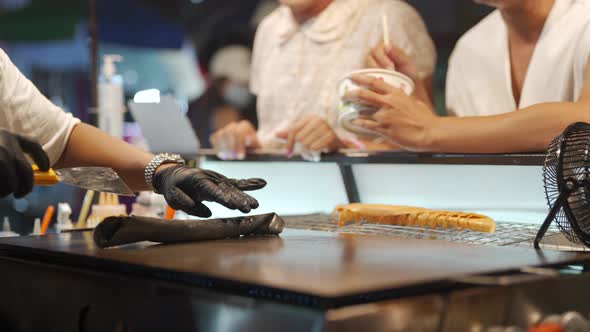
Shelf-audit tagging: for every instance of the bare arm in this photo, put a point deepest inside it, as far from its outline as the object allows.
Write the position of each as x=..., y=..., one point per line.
x=411, y=123
x=185, y=188
x=89, y=146
x=529, y=129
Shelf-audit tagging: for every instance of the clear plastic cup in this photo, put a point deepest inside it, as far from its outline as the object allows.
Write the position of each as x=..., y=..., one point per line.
x=350, y=111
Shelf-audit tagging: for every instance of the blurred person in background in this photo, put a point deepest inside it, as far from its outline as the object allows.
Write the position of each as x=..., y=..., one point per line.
x=226, y=57
x=516, y=80
x=227, y=98
x=301, y=50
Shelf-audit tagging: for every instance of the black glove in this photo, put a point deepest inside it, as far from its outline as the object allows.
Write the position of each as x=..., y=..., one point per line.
x=185, y=188
x=16, y=173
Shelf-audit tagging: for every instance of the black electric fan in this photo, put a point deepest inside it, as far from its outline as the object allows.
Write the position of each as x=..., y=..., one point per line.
x=566, y=174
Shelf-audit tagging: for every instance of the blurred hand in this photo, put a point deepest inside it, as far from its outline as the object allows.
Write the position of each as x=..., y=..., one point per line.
x=16, y=173
x=313, y=133
x=393, y=58
x=403, y=119
x=235, y=139
x=185, y=188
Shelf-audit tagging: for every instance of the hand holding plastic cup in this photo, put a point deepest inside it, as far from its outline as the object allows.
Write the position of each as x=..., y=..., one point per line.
x=350, y=111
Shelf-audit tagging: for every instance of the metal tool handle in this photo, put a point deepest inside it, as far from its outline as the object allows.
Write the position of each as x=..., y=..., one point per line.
x=48, y=178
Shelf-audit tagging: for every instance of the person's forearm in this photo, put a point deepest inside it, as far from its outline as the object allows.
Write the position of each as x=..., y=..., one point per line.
x=89, y=146
x=527, y=130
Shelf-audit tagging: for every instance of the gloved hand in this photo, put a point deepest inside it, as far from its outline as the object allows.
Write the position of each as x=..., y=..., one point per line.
x=185, y=188
x=16, y=173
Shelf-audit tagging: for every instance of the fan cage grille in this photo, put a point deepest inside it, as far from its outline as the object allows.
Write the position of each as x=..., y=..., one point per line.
x=571, y=151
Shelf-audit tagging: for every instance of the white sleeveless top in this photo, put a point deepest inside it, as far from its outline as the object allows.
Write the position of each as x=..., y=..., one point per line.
x=479, y=80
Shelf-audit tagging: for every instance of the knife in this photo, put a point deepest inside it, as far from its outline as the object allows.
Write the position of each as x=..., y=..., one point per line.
x=101, y=179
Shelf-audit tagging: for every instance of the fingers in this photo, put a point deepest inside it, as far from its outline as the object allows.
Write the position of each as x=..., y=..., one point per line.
x=368, y=124
x=382, y=119
x=234, y=140
x=245, y=138
x=322, y=139
x=218, y=192
x=290, y=143
x=371, y=63
x=178, y=200
x=221, y=140
x=248, y=184
x=24, y=177
x=283, y=134
x=36, y=152
x=226, y=193
x=328, y=142
x=244, y=202
x=233, y=198
x=373, y=83
x=200, y=210
x=308, y=131
x=384, y=116
x=252, y=141
x=367, y=97
x=311, y=132
x=214, y=139
x=293, y=132
x=404, y=62
x=239, y=145
x=397, y=55
x=380, y=56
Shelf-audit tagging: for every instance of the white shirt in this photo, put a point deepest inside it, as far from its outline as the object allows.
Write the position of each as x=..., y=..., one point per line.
x=479, y=81
x=25, y=111
x=296, y=68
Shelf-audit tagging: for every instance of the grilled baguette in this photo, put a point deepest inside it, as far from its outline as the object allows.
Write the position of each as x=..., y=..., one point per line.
x=412, y=216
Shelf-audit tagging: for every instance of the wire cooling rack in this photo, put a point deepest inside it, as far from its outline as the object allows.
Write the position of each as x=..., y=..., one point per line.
x=507, y=233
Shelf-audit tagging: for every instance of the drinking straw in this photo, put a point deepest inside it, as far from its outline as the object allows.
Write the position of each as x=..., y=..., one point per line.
x=385, y=26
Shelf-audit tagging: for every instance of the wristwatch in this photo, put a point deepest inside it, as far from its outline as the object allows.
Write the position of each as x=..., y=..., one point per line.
x=161, y=158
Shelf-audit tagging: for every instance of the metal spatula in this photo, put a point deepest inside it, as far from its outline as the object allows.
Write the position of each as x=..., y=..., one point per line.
x=101, y=179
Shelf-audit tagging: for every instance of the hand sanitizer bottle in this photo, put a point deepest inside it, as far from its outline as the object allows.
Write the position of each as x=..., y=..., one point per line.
x=111, y=97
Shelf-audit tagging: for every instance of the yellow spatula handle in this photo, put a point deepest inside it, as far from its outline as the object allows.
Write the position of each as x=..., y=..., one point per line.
x=48, y=178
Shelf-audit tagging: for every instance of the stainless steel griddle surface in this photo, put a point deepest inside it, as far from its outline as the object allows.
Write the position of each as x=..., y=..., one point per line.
x=325, y=265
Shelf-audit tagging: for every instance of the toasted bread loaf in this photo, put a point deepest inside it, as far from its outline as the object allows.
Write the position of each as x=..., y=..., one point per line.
x=412, y=216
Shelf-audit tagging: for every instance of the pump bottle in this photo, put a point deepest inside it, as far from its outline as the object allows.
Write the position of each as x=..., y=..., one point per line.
x=111, y=98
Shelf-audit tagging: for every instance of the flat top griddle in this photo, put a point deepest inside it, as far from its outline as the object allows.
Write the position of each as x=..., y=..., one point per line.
x=320, y=265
